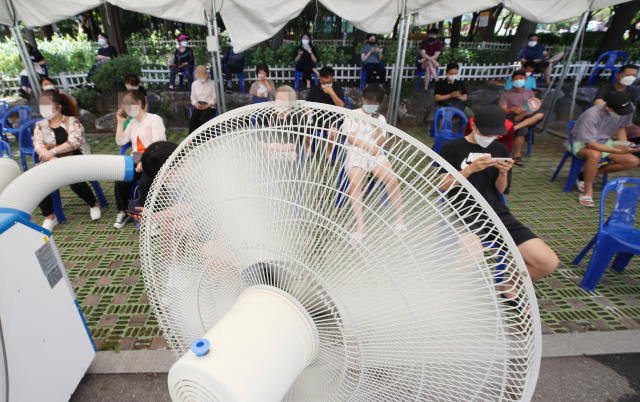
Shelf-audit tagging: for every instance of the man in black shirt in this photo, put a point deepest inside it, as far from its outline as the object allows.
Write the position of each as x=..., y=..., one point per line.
x=627, y=75
x=41, y=68
x=472, y=156
x=331, y=94
x=451, y=92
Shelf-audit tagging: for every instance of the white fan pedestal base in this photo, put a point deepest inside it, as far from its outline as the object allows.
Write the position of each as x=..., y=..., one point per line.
x=257, y=351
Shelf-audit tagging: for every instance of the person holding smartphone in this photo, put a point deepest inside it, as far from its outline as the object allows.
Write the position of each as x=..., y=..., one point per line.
x=365, y=155
x=306, y=58
x=474, y=156
x=371, y=56
x=203, y=99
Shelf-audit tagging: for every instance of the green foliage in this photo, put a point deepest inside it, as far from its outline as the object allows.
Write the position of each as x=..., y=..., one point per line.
x=334, y=55
x=285, y=53
x=487, y=56
x=9, y=59
x=455, y=55
x=109, y=76
x=258, y=56
x=85, y=97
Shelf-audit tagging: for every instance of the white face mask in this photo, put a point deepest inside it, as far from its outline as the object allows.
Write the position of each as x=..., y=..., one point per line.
x=305, y=42
x=184, y=43
x=370, y=108
x=263, y=76
x=451, y=78
x=132, y=110
x=102, y=41
x=482, y=140
x=202, y=79
x=48, y=88
x=532, y=43
x=628, y=80
x=528, y=75
x=327, y=85
x=133, y=88
x=47, y=112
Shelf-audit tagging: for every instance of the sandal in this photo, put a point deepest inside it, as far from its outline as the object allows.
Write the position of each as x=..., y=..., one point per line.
x=586, y=200
x=517, y=303
x=401, y=229
x=518, y=161
x=580, y=185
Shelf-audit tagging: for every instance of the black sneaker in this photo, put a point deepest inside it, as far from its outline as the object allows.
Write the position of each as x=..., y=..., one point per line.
x=24, y=94
x=121, y=220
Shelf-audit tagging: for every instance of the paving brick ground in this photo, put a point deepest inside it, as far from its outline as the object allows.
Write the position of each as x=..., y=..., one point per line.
x=104, y=264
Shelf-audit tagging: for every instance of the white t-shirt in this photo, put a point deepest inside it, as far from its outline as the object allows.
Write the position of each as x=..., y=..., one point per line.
x=263, y=89
x=367, y=133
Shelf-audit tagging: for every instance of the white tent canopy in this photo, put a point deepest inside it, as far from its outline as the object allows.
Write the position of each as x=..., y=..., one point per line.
x=250, y=22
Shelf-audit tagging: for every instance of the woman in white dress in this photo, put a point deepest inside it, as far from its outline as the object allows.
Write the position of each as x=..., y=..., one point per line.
x=366, y=155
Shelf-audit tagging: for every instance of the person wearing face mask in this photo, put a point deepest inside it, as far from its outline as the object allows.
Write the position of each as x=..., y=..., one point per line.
x=60, y=134
x=132, y=82
x=306, y=57
x=47, y=85
x=471, y=156
x=365, y=155
x=452, y=92
x=105, y=53
x=531, y=82
x=626, y=76
x=513, y=102
x=430, y=49
x=203, y=99
x=183, y=62
x=262, y=90
x=232, y=63
x=371, y=57
x=536, y=53
x=592, y=137
x=329, y=93
x=146, y=129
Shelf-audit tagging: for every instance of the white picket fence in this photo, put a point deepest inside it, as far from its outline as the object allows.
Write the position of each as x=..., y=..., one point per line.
x=343, y=73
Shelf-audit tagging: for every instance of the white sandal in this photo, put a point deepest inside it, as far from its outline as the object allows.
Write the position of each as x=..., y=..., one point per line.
x=401, y=227
x=586, y=200
x=357, y=237
x=580, y=185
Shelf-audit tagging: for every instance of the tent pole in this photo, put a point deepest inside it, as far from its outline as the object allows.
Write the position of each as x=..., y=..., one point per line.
x=24, y=53
x=392, y=98
x=565, y=70
x=218, y=79
x=405, y=42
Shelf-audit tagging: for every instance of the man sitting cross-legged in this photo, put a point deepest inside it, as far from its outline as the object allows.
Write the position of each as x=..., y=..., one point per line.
x=592, y=140
x=513, y=103
x=472, y=156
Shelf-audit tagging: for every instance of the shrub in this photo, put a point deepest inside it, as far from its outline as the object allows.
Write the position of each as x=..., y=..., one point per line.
x=285, y=53
x=85, y=97
x=109, y=76
x=455, y=55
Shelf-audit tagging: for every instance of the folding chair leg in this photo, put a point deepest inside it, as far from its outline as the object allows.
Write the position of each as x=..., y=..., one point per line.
x=101, y=198
x=57, y=207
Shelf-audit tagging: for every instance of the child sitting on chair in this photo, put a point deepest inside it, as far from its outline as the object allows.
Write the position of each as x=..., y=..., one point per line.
x=366, y=156
x=287, y=126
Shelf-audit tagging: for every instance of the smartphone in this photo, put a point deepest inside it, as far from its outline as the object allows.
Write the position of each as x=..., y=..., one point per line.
x=124, y=113
x=375, y=115
x=137, y=213
x=500, y=159
x=202, y=103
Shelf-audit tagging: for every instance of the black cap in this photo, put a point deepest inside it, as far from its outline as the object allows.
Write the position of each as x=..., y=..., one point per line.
x=489, y=120
x=518, y=72
x=620, y=102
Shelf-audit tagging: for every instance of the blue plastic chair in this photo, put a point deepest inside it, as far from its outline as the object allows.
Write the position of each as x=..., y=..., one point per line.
x=363, y=76
x=419, y=73
x=25, y=142
x=25, y=115
x=57, y=202
x=348, y=103
x=612, y=56
x=240, y=78
x=150, y=105
x=4, y=106
x=181, y=76
x=298, y=76
x=445, y=114
x=576, y=165
x=615, y=237
x=530, y=134
x=5, y=147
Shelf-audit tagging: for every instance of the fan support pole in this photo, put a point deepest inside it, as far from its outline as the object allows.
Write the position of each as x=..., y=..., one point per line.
x=256, y=352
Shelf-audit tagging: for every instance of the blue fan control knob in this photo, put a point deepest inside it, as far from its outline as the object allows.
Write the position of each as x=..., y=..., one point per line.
x=200, y=347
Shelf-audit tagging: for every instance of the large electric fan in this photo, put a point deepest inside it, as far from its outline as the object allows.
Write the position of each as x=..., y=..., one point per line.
x=265, y=293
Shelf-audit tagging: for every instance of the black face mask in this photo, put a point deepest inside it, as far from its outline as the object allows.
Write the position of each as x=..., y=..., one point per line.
x=431, y=39
x=372, y=42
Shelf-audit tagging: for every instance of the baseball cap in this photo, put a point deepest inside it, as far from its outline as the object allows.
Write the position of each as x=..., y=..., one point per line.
x=620, y=102
x=181, y=37
x=490, y=121
x=518, y=72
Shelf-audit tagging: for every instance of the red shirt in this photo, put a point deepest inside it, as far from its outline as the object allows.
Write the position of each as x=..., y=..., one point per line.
x=506, y=140
x=431, y=49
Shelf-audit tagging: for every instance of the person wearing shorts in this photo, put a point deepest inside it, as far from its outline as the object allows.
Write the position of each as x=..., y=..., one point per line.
x=592, y=138
x=513, y=103
x=365, y=155
x=471, y=155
